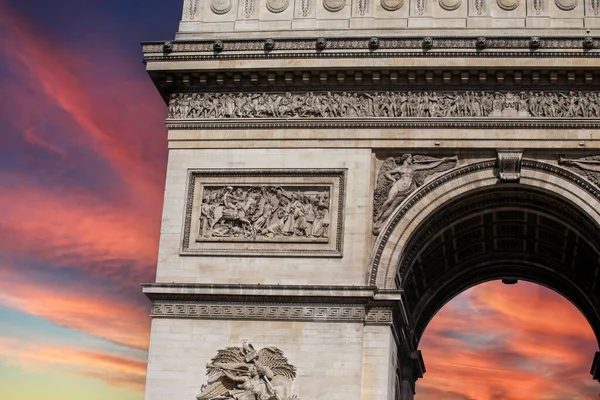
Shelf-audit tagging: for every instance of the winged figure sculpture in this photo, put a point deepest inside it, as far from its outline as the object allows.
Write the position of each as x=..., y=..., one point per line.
x=586, y=166
x=242, y=373
x=398, y=178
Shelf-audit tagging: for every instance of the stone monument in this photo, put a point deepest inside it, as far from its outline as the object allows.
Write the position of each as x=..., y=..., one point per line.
x=339, y=169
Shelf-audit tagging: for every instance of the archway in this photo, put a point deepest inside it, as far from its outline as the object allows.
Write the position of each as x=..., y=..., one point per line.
x=521, y=341
x=464, y=228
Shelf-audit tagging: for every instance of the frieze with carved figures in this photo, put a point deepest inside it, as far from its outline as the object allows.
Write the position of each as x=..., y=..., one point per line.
x=385, y=104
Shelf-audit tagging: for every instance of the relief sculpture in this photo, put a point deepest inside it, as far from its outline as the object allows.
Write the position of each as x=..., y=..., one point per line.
x=242, y=373
x=586, y=166
x=398, y=178
x=384, y=104
x=262, y=212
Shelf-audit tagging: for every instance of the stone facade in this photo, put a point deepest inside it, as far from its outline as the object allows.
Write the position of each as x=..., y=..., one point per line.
x=338, y=170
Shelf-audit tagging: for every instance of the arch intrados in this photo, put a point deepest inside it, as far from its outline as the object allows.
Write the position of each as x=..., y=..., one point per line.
x=508, y=198
x=532, y=202
x=530, y=272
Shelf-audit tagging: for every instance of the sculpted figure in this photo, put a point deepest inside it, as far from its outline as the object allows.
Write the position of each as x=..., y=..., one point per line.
x=377, y=104
x=242, y=373
x=398, y=178
x=320, y=227
x=263, y=212
x=586, y=166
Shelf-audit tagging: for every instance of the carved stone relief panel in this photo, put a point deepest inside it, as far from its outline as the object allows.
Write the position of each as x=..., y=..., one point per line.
x=385, y=104
x=334, y=5
x=586, y=166
x=392, y=5
x=398, y=178
x=221, y=6
x=274, y=212
x=277, y=6
x=305, y=8
x=246, y=373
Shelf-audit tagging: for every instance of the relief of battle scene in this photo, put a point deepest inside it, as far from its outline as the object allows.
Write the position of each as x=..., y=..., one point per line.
x=432, y=104
x=264, y=213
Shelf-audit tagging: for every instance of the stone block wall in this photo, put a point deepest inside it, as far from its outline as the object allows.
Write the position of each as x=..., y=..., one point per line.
x=298, y=270
x=330, y=357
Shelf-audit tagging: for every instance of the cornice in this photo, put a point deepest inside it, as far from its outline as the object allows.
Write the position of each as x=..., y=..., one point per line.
x=364, y=304
x=370, y=123
x=427, y=46
x=192, y=291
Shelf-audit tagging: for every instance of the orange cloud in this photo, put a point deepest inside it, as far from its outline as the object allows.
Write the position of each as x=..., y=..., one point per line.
x=115, y=370
x=73, y=226
x=519, y=342
x=79, y=309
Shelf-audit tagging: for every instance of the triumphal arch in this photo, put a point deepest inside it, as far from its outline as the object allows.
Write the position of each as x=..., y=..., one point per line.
x=339, y=169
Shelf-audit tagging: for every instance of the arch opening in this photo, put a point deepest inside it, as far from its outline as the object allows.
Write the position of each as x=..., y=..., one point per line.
x=520, y=341
x=500, y=232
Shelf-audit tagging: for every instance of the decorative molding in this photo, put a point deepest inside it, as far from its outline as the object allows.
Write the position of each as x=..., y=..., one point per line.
x=509, y=165
x=538, y=6
x=566, y=5
x=334, y=5
x=305, y=7
x=363, y=6
x=221, y=6
x=420, y=6
x=450, y=5
x=595, y=6
x=287, y=312
x=248, y=8
x=392, y=5
x=192, y=9
x=387, y=43
x=389, y=104
x=379, y=316
x=217, y=226
x=277, y=6
x=385, y=123
x=479, y=6
x=508, y=5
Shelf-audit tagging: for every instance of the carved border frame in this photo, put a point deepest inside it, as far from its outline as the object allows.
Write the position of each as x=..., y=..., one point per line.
x=311, y=312
x=334, y=177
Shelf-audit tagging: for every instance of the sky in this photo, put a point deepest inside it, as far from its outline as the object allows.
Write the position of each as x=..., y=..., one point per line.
x=82, y=169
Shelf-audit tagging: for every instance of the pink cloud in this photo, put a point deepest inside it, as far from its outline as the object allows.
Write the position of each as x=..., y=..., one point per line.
x=71, y=227
x=115, y=370
x=75, y=308
x=513, y=343
x=121, y=122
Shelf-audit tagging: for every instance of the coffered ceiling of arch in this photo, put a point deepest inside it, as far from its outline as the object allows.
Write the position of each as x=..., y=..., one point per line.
x=502, y=224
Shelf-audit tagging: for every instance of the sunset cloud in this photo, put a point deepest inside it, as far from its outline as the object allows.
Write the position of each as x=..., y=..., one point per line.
x=72, y=227
x=82, y=169
x=114, y=114
x=115, y=370
x=79, y=308
x=508, y=342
